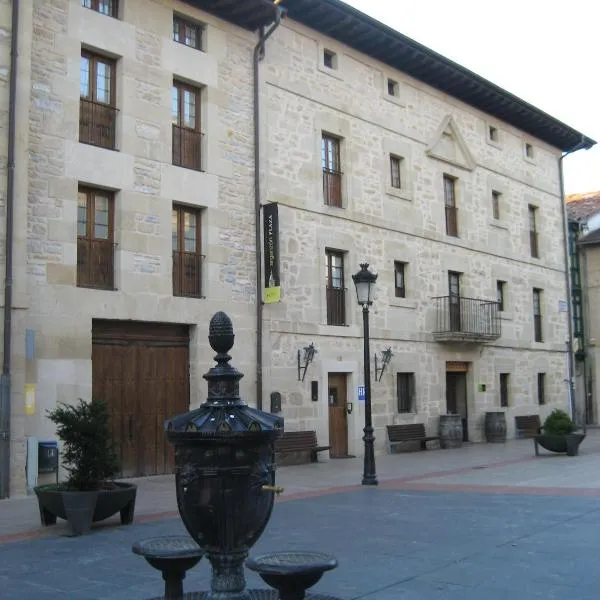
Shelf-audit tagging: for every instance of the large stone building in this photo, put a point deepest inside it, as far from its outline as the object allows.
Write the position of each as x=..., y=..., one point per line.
x=134, y=126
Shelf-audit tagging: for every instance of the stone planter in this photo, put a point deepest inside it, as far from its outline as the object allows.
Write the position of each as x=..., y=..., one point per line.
x=560, y=444
x=81, y=509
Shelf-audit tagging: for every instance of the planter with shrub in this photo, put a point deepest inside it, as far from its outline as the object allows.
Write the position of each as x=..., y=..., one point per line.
x=559, y=434
x=89, y=494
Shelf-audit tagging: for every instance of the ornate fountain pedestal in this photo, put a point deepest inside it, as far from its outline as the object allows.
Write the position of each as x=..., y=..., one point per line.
x=225, y=483
x=225, y=469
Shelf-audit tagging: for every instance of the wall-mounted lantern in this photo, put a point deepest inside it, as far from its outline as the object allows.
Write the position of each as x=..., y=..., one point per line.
x=386, y=356
x=305, y=357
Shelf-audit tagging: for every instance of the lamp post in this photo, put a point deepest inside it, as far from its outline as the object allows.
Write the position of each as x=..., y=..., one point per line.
x=364, y=281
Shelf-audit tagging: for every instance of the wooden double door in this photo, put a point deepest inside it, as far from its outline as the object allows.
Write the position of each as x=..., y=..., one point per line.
x=141, y=371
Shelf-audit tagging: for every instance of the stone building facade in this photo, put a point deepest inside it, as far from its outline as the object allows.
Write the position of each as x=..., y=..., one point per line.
x=134, y=223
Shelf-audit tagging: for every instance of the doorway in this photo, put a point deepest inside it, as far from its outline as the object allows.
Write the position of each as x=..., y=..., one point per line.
x=141, y=371
x=456, y=395
x=337, y=399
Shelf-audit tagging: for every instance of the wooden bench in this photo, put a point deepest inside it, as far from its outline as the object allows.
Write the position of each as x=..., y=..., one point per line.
x=527, y=426
x=403, y=434
x=297, y=447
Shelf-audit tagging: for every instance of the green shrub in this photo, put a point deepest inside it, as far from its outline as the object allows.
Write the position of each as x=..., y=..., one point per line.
x=87, y=451
x=558, y=422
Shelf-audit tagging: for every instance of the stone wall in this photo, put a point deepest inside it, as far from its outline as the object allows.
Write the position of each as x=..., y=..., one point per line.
x=146, y=185
x=380, y=224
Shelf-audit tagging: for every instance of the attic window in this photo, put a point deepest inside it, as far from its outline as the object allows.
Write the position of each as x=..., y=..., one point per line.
x=528, y=150
x=493, y=133
x=330, y=59
x=392, y=87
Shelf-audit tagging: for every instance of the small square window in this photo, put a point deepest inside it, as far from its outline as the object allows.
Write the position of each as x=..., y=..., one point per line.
x=392, y=87
x=493, y=133
x=496, y=204
x=187, y=32
x=528, y=150
x=330, y=59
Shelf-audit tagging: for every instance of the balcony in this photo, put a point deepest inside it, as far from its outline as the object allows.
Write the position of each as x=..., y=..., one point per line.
x=461, y=319
x=95, y=263
x=187, y=148
x=332, y=188
x=187, y=274
x=97, y=124
x=336, y=306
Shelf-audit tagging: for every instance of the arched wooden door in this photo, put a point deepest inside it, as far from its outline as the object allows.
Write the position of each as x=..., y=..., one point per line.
x=141, y=371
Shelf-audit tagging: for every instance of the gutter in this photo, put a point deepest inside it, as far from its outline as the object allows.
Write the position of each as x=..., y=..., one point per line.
x=583, y=144
x=259, y=54
x=5, y=386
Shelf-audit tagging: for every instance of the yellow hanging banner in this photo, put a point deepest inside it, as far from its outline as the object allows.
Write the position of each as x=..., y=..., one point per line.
x=30, y=399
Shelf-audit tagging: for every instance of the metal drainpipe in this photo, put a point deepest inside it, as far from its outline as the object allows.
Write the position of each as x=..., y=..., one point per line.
x=259, y=53
x=571, y=369
x=5, y=387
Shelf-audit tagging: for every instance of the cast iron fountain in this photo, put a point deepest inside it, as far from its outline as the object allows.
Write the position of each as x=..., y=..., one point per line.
x=225, y=483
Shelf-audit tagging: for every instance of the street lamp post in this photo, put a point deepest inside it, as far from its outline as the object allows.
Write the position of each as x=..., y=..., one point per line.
x=364, y=281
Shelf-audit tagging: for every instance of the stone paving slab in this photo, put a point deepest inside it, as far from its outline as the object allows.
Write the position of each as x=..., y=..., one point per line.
x=390, y=544
x=490, y=468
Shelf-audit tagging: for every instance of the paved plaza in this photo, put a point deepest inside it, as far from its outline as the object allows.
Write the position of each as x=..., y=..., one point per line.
x=484, y=521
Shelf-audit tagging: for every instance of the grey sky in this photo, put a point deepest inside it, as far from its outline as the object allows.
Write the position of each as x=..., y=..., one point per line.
x=544, y=54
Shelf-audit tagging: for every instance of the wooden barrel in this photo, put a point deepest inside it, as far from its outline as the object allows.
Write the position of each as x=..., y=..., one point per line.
x=451, y=431
x=495, y=427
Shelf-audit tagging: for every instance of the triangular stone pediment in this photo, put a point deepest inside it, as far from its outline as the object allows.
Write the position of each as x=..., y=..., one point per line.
x=449, y=145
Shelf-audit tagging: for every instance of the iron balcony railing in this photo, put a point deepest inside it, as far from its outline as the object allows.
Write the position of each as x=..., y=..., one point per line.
x=97, y=123
x=187, y=274
x=459, y=318
x=336, y=306
x=332, y=188
x=95, y=263
x=187, y=148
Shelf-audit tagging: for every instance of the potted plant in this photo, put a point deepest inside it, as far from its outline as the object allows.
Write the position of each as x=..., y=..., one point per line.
x=89, y=494
x=559, y=434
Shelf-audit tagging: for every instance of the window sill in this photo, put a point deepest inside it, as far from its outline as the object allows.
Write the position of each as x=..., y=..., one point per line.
x=505, y=315
x=339, y=330
x=335, y=73
x=493, y=143
x=397, y=100
x=403, y=303
x=94, y=287
x=113, y=149
x=398, y=193
x=498, y=224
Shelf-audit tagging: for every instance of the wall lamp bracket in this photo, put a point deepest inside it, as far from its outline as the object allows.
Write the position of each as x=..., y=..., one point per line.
x=305, y=357
x=386, y=356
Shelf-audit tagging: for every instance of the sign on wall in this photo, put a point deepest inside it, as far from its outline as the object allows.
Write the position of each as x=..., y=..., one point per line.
x=271, y=253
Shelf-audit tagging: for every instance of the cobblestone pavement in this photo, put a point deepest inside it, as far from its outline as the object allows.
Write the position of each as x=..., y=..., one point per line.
x=483, y=521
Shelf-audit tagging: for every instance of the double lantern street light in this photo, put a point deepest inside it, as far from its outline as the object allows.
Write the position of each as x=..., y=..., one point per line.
x=364, y=281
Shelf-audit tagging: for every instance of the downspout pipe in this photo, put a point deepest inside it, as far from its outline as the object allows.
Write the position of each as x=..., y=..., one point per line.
x=5, y=384
x=584, y=143
x=259, y=53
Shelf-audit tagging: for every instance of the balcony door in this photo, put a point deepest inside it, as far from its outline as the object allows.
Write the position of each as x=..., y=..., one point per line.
x=454, y=300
